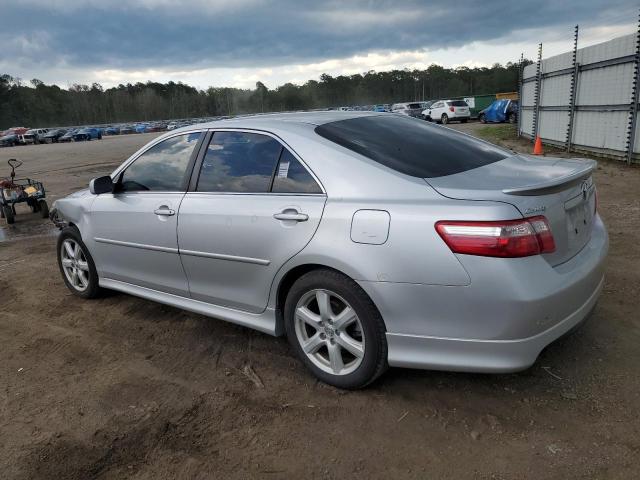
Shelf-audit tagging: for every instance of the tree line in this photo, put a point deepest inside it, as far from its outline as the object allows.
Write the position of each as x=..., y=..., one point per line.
x=39, y=105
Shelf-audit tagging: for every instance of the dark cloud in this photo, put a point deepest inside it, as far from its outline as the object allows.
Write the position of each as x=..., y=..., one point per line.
x=161, y=34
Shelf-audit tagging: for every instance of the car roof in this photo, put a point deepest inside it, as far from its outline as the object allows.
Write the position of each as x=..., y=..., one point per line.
x=282, y=121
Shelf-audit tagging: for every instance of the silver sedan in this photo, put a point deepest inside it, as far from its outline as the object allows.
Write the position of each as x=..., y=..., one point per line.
x=369, y=239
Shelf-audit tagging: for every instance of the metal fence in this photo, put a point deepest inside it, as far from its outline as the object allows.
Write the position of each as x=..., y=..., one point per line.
x=586, y=99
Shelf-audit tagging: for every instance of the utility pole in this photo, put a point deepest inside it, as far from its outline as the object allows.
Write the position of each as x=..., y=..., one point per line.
x=573, y=88
x=536, y=111
x=633, y=108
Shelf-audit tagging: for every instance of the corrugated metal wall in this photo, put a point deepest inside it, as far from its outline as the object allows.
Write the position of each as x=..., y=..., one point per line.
x=604, y=79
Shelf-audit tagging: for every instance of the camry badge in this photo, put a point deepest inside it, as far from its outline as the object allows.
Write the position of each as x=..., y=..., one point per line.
x=538, y=209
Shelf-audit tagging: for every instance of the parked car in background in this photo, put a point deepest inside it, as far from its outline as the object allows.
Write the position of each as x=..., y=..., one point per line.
x=500, y=111
x=68, y=137
x=33, y=136
x=412, y=109
x=9, y=140
x=449, y=254
x=112, y=131
x=86, y=134
x=126, y=129
x=52, y=136
x=381, y=108
x=444, y=111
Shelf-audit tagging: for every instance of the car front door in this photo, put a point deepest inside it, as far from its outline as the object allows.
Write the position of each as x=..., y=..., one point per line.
x=134, y=229
x=252, y=206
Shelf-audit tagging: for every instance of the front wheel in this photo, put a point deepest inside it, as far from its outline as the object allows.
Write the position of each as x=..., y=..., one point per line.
x=335, y=329
x=444, y=119
x=76, y=264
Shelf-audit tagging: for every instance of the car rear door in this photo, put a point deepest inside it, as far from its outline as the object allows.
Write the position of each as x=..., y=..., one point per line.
x=251, y=206
x=134, y=229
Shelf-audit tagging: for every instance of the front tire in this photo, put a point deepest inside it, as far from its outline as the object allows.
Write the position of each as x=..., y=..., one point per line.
x=76, y=264
x=335, y=329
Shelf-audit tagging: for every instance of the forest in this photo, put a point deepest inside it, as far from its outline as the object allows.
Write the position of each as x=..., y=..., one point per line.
x=36, y=104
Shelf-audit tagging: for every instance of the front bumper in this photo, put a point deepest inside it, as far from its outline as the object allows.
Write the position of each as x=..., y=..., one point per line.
x=501, y=321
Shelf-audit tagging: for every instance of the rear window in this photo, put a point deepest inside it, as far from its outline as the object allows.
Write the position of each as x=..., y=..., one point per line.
x=410, y=146
x=458, y=103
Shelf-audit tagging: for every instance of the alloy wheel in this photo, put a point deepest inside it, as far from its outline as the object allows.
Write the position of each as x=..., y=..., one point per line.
x=74, y=264
x=329, y=332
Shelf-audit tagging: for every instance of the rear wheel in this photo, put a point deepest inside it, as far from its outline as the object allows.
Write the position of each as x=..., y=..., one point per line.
x=444, y=119
x=335, y=329
x=76, y=264
x=43, y=207
x=8, y=215
x=33, y=205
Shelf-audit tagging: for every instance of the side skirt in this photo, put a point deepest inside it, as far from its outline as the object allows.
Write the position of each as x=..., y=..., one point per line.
x=264, y=322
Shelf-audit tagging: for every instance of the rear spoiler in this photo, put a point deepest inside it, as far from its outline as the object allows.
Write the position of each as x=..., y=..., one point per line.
x=583, y=171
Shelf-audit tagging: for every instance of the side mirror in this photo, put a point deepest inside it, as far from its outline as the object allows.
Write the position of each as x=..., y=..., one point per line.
x=101, y=185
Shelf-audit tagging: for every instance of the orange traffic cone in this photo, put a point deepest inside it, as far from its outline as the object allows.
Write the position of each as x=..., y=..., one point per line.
x=537, y=147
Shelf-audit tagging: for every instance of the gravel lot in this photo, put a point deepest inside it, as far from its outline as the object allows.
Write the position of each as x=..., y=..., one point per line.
x=125, y=388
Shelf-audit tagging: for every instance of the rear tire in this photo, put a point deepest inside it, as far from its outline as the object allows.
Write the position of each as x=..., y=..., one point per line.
x=8, y=214
x=362, y=340
x=43, y=207
x=444, y=119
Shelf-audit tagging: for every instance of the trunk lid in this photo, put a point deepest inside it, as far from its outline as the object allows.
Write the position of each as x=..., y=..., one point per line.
x=560, y=189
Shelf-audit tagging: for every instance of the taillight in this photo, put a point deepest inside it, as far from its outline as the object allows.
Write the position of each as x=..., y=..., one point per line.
x=507, y=239
x=452, y=109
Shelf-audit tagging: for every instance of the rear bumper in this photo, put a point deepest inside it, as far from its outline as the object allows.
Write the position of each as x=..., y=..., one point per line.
x=501, y=321
x=487, y=356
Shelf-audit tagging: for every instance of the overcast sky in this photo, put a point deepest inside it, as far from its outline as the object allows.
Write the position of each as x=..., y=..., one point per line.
x=238, y=42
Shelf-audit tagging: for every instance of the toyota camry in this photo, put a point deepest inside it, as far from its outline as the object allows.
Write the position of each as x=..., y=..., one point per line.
x=368, y=239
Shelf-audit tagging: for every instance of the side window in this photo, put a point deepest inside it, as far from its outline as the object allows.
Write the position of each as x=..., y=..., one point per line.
x=162, y=168
x=292, y=177
x=239, y=162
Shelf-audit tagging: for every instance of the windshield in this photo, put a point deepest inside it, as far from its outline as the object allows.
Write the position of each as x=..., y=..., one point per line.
x=411, y=146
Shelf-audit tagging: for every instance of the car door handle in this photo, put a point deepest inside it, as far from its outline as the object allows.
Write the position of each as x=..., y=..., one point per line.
x=167, y=212
x=292, y=216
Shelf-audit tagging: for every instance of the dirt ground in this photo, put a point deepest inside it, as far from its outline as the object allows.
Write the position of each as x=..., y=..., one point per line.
x=125, y=388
